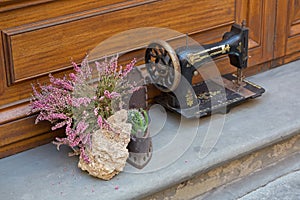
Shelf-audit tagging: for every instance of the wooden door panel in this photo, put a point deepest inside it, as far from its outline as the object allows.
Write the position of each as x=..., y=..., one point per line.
x=45, y=47
x=260, y=18
x=293, y=41
x=254, y=21
x=295, y=7
x=26, y=129
x=28, y=11
x=287, y=40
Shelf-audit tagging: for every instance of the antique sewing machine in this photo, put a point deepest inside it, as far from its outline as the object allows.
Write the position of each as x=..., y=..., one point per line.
x=172, y=71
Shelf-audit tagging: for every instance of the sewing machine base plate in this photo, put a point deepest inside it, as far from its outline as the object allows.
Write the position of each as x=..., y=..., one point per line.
x=214, y=98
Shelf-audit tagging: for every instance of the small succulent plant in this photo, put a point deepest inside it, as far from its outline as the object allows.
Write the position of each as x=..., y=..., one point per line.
x=139, y=120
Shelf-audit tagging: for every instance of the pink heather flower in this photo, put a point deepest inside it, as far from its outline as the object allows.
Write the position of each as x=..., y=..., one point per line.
x=37, y=95
x=83, y=155
x=85, y=138
x=72, y=76
x=81, y=101
x=64, y=83
x=52, y=117
x=105, y=125
x=100, y=121
x=58, y=125
x=75, y=142
x=98, y=67
x=111, y=95
x=96, y=111
x=129, y=67
x=101, y=98
x=107, y=94
x=58, y=116
x=81, y=127
x=69, y=129
x=113, y=64
x=71, y=137
x=76, y=68
x=107, y=70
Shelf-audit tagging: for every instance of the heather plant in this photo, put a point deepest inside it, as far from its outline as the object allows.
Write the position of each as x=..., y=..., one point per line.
x=82, y=101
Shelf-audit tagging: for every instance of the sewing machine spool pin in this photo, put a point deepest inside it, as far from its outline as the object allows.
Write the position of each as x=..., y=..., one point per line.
x=172, y=71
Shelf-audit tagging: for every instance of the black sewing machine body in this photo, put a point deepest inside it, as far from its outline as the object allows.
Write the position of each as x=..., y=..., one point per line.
x=172, y=72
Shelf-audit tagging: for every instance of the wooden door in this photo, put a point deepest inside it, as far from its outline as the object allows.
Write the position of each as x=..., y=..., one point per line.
x=287, y=38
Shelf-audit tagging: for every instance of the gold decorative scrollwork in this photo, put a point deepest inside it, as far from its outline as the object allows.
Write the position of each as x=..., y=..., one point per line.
x=198, y=57
x=189, y=98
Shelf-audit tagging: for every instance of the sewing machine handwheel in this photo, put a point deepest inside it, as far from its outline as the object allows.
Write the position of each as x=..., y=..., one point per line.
x=163, y=65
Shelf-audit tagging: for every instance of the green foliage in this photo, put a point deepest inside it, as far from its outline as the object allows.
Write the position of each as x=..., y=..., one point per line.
x=139, y=120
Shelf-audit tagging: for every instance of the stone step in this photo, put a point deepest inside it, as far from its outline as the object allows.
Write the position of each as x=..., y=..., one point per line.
x=285, y=187
x=190, y=158
x=246, y=187
x=235, y=181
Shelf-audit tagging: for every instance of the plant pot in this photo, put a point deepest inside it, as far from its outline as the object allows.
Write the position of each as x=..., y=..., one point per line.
x=140, y=150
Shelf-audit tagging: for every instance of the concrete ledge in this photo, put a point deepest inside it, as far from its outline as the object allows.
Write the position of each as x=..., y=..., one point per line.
x=196, y=146
x=278, y=189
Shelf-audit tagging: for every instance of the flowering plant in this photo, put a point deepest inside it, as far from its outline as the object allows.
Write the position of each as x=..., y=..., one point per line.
x=83, y=101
